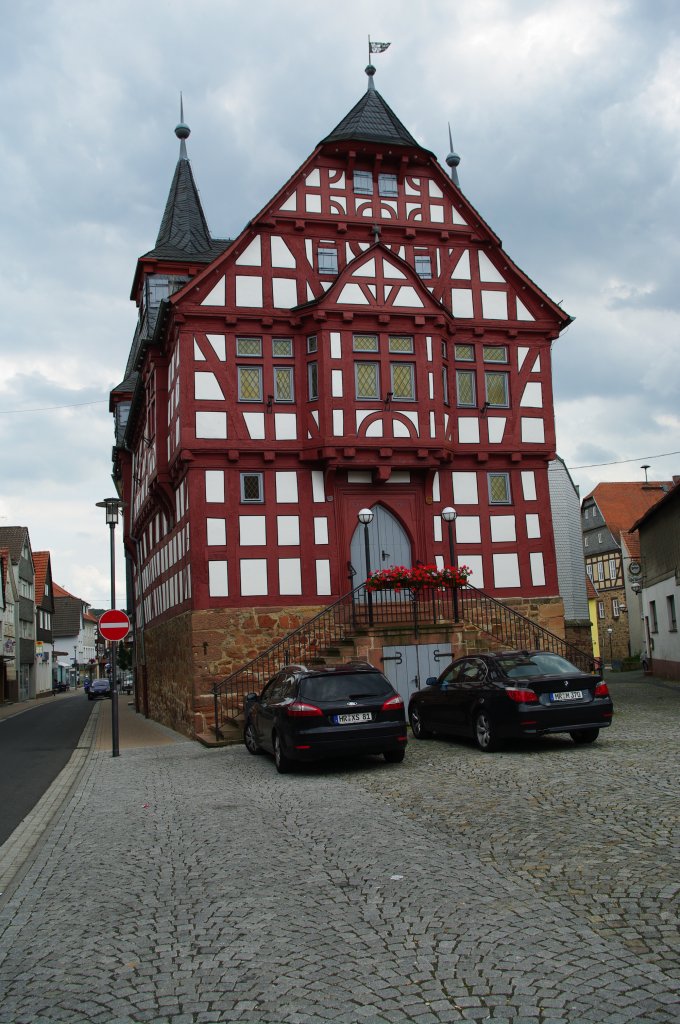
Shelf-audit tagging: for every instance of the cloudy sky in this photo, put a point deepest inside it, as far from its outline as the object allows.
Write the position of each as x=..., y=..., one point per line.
x=566, y=115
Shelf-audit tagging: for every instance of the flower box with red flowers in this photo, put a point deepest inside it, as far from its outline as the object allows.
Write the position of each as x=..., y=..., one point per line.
x=419, y=577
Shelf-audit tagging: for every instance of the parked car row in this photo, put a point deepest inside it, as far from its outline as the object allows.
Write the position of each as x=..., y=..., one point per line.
x=309, y=713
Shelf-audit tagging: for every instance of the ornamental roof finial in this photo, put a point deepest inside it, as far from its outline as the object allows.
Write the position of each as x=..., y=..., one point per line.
x=182, y=131
x=453, y=160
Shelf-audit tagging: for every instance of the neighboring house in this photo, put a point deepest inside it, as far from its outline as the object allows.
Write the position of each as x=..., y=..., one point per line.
x=659, y=534
x=364, y=342
x=17, y=540
x=592, y=614
x=74, y=634
x=571, y=571
x=611, y=550
x=44, y=614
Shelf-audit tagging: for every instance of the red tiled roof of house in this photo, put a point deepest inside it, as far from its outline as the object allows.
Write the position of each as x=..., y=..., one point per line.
x=622, y=504
x=6, y=561
x=670, y=495
x=60, y=592
x=41, y=559
x=591, y=592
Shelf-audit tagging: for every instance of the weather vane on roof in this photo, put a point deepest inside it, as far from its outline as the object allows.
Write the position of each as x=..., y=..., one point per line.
x=376, y=48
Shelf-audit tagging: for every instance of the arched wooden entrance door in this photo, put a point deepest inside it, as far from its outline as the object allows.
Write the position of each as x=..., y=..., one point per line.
x=388, y=544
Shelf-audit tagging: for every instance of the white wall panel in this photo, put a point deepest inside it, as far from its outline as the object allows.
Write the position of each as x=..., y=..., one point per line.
x=290, y=576
x=252, y=531
x=216, y=532
x=286, y=487
x=211, y=424
x=288, y=530
x=503, y=529
x=253, y=577
x=218, y=578
x=505, y=570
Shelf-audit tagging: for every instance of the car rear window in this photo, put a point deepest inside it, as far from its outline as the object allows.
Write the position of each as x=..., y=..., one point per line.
x=344, y=686
x=537, y=665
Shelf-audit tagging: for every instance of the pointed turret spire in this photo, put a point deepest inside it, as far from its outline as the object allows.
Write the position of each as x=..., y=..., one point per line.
x=184, y=230
x=453, y=160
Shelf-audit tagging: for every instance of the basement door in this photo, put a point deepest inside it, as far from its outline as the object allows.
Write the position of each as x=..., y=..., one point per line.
x=409, y=665
x=388, y=544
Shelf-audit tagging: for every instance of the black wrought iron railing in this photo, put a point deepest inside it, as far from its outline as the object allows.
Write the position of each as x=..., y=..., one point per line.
x=361, y=610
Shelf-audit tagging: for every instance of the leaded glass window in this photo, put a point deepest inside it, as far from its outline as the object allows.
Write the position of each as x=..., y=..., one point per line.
x=466, y=353
x=403, y=381
x=499, y=488
x=400, y=343
x=367, y=380
x=282, y=347
x=249, y=346
x=445, y=385
x=250, y=383
x=312, y=344
x=465, y=388
x=251, y=487
x=365, y=342
x=497, y=389
x=495, y=353
x=283, y=383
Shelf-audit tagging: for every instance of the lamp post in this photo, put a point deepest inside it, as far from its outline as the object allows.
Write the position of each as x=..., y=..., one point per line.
x=611, y=656
x=112, y=505
x=365, y=516
x=449, y=516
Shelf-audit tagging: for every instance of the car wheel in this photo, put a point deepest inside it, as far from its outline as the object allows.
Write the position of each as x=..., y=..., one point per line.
x=584, y=735
x=250, y=739
x=394, y=756
x=283, y=763
x=417, y=727
x=485, y=733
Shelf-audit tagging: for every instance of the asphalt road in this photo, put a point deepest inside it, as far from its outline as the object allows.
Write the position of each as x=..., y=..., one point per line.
x=35, y=745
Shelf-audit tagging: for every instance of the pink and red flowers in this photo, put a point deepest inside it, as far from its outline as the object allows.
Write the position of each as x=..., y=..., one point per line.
x=401, y=577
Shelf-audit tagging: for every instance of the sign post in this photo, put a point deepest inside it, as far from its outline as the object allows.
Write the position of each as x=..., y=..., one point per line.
x=114, y=626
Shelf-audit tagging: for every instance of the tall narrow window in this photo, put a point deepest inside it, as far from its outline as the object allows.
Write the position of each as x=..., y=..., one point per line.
x=600, y=609
x=313, y=344
x=612, y=569
x=616, y=607
x=250, y=383
x=672, y=620
x=465, y=388
x=652, y=615
x=283, y=384
x=403, y=381
x=445, y=385
x=313, y=380
x=367, y=379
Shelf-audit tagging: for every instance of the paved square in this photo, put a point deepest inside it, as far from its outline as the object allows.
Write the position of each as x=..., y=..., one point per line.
x=539, y=884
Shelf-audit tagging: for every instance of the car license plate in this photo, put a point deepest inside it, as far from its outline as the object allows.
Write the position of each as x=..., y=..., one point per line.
x=357, y=716
x=568, y=695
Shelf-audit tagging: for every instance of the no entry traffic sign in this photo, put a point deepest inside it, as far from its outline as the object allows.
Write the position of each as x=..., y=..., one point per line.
x=114, y=625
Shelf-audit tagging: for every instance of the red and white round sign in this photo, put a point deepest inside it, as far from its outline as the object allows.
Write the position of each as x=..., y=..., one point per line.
x=114, y=625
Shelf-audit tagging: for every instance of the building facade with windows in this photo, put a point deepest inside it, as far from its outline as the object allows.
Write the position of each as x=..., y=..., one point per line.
x=659, y=533
x=17, y=540
x=612, y=549
x=365, y=341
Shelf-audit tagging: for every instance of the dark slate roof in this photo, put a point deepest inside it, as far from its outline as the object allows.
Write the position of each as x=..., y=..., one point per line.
x=184, y=230
x=12, y=537
x=372, y=120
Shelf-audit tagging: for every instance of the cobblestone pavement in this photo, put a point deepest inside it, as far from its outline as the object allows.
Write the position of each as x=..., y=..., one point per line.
x=187, y=885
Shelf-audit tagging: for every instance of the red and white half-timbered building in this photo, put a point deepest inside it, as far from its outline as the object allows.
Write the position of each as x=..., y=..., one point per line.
x=364, y=342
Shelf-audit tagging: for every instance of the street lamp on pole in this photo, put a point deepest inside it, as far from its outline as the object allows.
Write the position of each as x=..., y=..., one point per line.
x=365, y=516
x=449, y=516
x=112, y=505
x=611, y=656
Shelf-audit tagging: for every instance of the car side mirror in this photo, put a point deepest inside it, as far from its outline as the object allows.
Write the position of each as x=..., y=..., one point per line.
x=431, y=681
x=250, y=697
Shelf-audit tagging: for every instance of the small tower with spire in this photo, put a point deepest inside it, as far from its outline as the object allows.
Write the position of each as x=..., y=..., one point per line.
x=453, y=160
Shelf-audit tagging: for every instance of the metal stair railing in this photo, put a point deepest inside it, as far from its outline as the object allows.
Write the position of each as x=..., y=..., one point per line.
x=360, y=610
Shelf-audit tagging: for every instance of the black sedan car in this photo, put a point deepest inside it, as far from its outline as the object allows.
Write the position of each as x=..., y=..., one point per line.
x=304, y=714
x=99, y=688
x=494, y=697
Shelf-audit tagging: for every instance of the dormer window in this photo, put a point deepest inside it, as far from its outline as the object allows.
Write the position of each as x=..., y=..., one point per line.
x=363, y=183
x=387, y=185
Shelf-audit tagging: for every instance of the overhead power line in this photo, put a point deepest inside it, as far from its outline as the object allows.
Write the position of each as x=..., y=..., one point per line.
x=49, y=408
x=620, y=462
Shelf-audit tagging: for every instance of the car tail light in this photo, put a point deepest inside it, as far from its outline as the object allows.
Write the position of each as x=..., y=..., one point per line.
x=601, y=690
x=298, y=709
x=392, y=702
x=521, y=696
